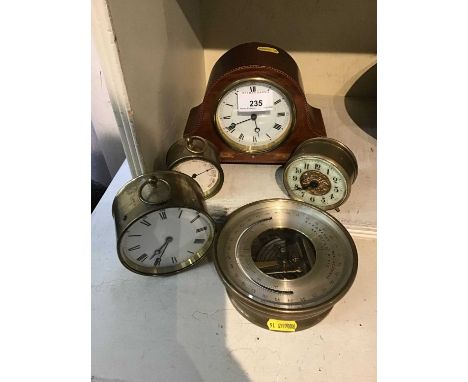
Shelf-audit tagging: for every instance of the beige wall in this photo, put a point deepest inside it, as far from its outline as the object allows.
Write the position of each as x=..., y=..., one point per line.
x=167, y=49
x=163, y=67
x=322, y=72
x=333, y=41
x=105, y=133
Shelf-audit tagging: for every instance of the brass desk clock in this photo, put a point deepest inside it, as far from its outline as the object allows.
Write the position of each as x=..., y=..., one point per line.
x=320, y=172
x=198, y=158
x=161, y=223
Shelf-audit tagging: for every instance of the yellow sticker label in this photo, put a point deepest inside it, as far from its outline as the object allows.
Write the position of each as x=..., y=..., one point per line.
x=281, y=325
x=267, y=49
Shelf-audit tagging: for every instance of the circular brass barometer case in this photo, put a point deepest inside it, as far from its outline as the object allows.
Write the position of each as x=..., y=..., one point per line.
x=320, y=172
x=161, y=223
x=284, y=263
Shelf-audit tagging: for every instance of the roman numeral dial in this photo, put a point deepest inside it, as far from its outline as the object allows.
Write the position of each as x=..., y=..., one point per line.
x=263, y=126
x=165, y=240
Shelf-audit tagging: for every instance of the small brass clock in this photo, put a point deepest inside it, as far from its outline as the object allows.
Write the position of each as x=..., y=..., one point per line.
x=161, y=223
x=198, y=158
x=320, y=172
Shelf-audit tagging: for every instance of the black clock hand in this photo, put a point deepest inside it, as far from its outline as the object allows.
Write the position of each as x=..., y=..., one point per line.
x=238, y=123
x=253, y=117
x=257, y=129
x=195, y=175
x=162, y=248
x=165, y=245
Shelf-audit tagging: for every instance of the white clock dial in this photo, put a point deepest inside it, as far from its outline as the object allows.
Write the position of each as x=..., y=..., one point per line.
x=167, y=240
x=316, y=181
x=260, y=129
x=205, y=173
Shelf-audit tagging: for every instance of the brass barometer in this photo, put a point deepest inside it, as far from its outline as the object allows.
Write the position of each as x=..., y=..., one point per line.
x=284, y=263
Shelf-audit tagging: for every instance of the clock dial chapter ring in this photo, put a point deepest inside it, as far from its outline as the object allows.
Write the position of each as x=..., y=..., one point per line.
x=201, y=169
x=285, y=260
x=296, y=166
x=256, y=131
x=320, y=172
x=162, y=248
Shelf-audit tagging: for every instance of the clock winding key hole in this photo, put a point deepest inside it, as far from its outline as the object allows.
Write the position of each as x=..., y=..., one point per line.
x=283, y=253
x=315, y=183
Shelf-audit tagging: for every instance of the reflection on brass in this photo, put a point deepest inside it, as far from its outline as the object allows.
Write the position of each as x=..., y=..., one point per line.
x=195, y=144
x=315, y=182
x=285, y=260
x=150, y=193
x=154, y=191
x=283, y=253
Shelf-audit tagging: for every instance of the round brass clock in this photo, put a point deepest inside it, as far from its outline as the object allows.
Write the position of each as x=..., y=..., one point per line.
x=284, y=263
x=198, y=158
x=161, y=223
x=320, y=172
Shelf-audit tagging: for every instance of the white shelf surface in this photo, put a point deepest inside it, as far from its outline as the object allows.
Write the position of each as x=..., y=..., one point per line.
x=184, y=328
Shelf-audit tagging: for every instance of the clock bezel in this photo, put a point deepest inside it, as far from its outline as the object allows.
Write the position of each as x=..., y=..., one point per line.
x=129, y=207
x=261, y=148
x=335, y=164
x=171, y=269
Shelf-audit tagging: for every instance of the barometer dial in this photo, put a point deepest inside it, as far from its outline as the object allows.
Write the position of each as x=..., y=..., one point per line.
x=286, y=261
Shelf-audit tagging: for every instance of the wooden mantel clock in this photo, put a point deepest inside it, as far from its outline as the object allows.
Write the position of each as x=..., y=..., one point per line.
x=254, y=109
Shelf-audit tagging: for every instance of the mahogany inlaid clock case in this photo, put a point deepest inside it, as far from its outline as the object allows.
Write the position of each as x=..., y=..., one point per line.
x=255, y=60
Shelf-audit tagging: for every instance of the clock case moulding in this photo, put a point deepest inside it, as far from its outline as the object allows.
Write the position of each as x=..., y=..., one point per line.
x=245, y=62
